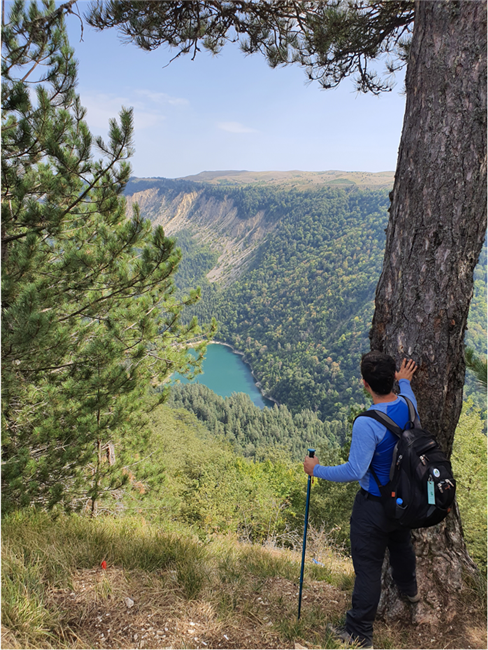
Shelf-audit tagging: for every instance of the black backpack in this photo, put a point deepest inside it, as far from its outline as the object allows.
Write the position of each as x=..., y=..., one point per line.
x=421, y=488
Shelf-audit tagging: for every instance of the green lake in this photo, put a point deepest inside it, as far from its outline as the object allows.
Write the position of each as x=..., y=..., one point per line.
x=225, y=373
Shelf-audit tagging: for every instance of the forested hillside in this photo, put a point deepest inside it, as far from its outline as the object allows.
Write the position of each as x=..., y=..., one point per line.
x=250, y=429
x=290, y=274
x=302, y=314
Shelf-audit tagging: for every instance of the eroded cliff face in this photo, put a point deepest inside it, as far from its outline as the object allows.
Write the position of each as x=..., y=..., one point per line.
x=212, y=221
x=184, y=204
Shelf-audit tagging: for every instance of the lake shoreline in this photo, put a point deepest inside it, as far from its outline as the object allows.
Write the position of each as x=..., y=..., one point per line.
x=242, y=354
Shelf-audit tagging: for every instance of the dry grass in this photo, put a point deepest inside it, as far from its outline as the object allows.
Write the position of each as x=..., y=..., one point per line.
x=252, y=612
x=159, y=591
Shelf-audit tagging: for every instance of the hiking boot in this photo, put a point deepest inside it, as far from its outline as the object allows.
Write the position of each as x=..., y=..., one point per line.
x=411, y=599
x=340, y=633
x=414, y=599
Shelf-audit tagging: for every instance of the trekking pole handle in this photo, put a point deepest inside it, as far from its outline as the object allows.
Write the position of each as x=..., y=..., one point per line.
x=311, y=453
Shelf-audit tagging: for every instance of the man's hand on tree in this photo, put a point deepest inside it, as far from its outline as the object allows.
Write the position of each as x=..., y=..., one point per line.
x=407, y=370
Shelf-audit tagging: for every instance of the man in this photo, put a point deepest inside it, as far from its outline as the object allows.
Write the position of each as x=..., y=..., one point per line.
x=371, y=532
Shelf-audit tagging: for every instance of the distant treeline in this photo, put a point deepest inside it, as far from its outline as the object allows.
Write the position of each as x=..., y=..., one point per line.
x=250, y=429
x=168, y=186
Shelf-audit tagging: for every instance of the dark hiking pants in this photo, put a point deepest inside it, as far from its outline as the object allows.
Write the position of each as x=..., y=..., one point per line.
x=371, y=534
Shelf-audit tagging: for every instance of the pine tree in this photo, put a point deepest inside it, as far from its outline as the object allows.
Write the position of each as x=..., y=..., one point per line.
x=478, y=366
x=332, y=39
x=90, y=324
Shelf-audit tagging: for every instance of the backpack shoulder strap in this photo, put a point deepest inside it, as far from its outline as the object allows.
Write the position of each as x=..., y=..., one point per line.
x=383, y=419
x=412, y=413
x=375, y=476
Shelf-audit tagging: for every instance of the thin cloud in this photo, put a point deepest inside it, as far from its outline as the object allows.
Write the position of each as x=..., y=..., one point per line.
x=162, y=98
x=235, y=127
x=102, y=107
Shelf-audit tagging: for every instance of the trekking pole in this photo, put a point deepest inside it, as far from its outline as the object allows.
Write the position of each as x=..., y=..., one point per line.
x=311, y=453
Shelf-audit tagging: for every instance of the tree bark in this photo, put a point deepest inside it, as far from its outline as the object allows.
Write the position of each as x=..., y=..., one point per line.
x=433, y=241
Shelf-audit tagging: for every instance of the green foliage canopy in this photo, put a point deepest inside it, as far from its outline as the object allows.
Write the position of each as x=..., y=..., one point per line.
x=470, y=469
x=332, y=39
x=90, y=321
x=302, y=311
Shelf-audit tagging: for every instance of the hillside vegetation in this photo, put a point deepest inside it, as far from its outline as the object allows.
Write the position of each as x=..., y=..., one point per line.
x=204, y=552
x=290, y=274
x=302, y=313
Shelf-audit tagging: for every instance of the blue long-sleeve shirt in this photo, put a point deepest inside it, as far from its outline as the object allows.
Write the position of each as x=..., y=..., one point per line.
x=371, y=444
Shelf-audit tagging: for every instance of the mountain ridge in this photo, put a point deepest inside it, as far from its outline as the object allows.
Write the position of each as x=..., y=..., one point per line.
x=361, y=179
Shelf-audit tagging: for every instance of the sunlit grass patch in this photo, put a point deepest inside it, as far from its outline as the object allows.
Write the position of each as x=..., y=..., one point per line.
x=69, y=600
x=41, y=553
x=227, y=603
x=103, y=589
x=191, y=573
x=266, y=562
x=291, y=628
x=76, y=541
x=166, y=590
x=24, y=609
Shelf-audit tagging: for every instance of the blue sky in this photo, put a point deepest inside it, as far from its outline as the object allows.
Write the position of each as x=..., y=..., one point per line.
x=231, y=111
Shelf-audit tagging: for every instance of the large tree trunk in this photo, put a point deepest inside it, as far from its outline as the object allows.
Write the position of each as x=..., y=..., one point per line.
x=434, y=238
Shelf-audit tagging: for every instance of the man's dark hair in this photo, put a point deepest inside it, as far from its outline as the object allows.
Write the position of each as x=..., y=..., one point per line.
x=378, y=369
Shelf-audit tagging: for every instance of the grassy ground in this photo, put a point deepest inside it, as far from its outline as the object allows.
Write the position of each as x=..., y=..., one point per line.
x=167, y=589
